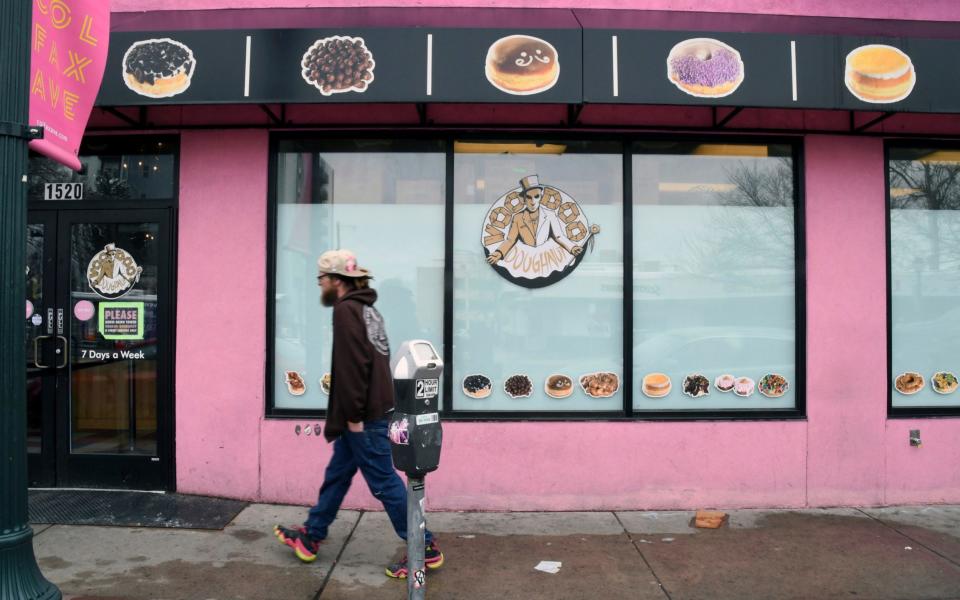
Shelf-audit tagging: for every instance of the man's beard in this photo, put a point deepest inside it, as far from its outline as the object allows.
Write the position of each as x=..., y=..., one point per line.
x=328, y=297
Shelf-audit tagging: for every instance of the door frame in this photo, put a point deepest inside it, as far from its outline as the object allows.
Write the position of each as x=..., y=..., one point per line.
x=108, y=470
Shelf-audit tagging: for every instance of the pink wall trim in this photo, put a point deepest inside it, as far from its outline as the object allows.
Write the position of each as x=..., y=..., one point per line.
x=846, y=453
x=928, y=474
x=932, y=10
x=846, y=319
x=221, y=304
x=574, y=466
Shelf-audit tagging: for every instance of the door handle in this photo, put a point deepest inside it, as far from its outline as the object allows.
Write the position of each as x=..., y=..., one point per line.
x=66, y=353
x=36, y=351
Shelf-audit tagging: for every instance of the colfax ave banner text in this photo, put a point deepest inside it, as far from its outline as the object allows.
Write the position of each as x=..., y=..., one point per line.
x=68, y=52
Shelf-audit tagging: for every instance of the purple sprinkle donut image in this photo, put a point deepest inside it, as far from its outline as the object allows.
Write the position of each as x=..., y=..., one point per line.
x=705, y=68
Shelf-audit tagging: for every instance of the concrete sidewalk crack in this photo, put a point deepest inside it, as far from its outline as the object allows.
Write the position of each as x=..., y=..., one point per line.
x=914, y=540
x=336, y=561
x=663, y=588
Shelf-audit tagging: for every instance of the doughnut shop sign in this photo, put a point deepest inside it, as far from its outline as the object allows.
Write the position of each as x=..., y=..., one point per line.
x=68, y=53
x=535, y=235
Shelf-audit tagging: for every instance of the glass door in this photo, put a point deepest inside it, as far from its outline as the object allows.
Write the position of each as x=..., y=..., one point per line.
x=109, y=316
x=41, y=347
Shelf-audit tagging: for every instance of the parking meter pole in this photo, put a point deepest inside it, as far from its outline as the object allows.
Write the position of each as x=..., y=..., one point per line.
x=415, y=440
x=416, y=530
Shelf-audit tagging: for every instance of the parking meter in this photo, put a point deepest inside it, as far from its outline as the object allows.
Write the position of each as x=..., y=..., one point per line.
x=415, y=440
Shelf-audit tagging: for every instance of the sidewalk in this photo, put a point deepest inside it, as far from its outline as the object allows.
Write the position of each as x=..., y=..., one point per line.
x=884, y=553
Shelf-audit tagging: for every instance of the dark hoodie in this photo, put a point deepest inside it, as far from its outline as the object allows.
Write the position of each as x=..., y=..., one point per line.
x=361, y=385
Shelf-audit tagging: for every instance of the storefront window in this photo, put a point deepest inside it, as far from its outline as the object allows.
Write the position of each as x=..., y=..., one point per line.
x=385, y=202
x=714, y=280
x=111, y=172
x=924, y=276
x=538, y=277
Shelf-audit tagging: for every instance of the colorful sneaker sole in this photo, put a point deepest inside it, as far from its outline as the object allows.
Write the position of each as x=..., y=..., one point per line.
x=302, y=552
x=398, y=572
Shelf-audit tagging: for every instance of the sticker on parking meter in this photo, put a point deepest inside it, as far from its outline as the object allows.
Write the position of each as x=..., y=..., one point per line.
x=37, y=320
x=428, y=418
x=121, y=320
x=427, y=388
x=400, y=432
x=29, y=309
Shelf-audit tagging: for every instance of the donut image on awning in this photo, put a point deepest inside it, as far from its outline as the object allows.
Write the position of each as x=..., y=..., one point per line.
x=158, y=68
x=522, y=65
x=338, y=64
x=879, y=74
x=705, y=68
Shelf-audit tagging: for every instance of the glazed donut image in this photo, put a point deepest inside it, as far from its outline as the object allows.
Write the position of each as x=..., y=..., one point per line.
x=656, y=385
x=558, y=386
x=705, y=68
x=879, y=74
x=158, y=68
x=522, y=65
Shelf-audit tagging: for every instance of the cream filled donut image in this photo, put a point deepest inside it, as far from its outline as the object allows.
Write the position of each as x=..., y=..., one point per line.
x=705, y=68
x=879, y=74
x=522, y=65
x=158, y=68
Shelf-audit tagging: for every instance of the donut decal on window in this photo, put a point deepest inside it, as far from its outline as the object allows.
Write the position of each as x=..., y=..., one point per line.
x=535, y=235
x=705, y=68
x=522, y=65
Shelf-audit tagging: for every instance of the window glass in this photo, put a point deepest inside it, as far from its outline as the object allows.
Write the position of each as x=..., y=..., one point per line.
x=544, y=316
x=121, y=171
x=925, y=276
x=384, y=202
x=714, y=282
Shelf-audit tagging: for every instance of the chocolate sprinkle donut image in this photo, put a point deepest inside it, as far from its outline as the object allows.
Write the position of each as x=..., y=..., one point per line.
x=158, y=68
x=705, y=68
x=522, y=65
x=338, y=64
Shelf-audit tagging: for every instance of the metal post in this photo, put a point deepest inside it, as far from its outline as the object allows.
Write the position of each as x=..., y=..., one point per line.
x=416, y=531
x=20, y=577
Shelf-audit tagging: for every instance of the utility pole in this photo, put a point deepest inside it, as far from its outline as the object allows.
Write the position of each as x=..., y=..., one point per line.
x=20, y=577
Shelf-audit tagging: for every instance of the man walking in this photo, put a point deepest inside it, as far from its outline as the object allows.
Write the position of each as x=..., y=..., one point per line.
x=361, y=397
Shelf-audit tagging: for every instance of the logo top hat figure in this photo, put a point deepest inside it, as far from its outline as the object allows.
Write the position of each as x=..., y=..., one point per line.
x=534, y=235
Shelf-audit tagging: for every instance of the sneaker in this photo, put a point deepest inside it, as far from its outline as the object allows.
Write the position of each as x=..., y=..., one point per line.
x=305, y=547
x=287, y=535
x=432, y=559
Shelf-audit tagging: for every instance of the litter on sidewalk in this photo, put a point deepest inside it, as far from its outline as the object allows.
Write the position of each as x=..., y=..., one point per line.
x=549, y=566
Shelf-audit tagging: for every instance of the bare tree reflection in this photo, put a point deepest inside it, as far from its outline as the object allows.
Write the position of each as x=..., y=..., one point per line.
x=759, y=231
x=932, y=187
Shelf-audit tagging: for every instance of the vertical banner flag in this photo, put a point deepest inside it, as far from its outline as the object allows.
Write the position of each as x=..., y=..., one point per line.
x=68, y=53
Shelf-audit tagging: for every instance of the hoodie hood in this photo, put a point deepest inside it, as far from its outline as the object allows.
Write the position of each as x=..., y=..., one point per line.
x=366, y=296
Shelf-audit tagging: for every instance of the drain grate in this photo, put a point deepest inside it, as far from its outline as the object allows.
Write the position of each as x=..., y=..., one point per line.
x=131, y=509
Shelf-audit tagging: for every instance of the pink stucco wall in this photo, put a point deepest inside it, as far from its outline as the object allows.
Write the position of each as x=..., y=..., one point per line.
x=846, y=453
x=932, y=10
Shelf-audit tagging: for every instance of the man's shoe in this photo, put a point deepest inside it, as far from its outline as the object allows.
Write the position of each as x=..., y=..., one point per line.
x=305, y=547
x=287, y=535
x=432, y=559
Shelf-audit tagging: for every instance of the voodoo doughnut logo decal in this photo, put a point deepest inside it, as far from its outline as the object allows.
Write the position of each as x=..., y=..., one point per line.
x=112, y=272
x=534, y=235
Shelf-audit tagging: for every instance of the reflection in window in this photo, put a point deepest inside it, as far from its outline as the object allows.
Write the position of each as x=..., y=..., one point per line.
x=714, y=271
x=518, y=326
x=385, y=202
x=143, y=171
x=925, y=274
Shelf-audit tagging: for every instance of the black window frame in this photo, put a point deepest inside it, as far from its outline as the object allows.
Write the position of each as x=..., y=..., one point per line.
x=905, y=412
x=341, y=140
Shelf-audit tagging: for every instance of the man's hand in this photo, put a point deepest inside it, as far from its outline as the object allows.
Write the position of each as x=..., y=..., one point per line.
x=494, y=257
x=355, y=427
x=576, y=250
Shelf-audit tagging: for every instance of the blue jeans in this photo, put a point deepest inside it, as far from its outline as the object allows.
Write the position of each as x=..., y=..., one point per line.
x=368, y=451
